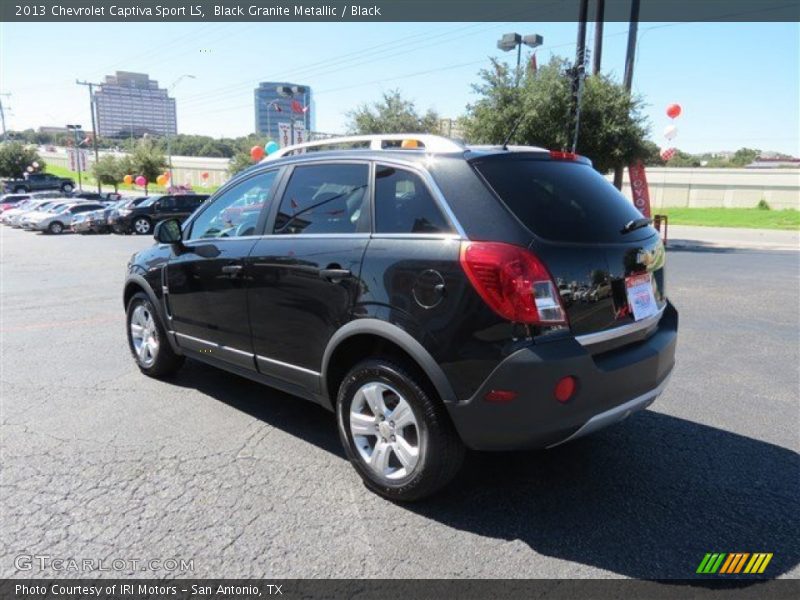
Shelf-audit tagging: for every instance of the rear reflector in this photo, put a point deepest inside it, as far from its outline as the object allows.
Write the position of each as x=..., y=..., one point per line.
x=513, y=282
x=565, y=388
x=500, y=396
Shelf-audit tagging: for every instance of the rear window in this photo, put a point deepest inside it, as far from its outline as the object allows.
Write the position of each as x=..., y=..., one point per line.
x=562, y=201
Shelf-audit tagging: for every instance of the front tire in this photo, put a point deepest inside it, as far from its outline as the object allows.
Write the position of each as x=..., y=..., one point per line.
x=55, y=228
x=142, y=226
x=395, y=432
x=147, y=339
x=20, y=190
x=67, y=188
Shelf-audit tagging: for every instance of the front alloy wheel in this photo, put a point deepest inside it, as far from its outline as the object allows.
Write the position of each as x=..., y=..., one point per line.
x=55, y=227
x=142, y=226
x=148, y=340
x=143, y=336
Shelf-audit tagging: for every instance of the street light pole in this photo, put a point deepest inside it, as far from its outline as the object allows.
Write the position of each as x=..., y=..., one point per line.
x=94, y=123
x=627, y=81
x=509, y=41
x=169, y=133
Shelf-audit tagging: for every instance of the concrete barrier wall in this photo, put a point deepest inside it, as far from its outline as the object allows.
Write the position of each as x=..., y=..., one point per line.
x=730, y=188
x=681, y=187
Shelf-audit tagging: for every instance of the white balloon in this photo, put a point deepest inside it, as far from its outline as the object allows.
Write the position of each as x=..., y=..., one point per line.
x=670, y=131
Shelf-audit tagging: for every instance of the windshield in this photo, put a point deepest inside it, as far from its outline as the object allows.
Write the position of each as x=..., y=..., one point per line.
x=147, y=202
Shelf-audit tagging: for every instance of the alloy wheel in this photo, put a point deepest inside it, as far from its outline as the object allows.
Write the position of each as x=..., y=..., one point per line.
x=141, y=226
x=144, y=336
x=385, y=430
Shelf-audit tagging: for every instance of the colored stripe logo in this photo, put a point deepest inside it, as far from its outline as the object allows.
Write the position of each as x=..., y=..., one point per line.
x=724, y=563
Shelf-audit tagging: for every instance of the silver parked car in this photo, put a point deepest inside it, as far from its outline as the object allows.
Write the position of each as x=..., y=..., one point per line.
x=60, y=218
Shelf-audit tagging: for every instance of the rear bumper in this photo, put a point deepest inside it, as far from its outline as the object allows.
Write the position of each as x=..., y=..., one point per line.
x=611, y=385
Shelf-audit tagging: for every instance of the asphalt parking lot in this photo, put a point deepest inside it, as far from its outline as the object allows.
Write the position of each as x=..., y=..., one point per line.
x=100, y=462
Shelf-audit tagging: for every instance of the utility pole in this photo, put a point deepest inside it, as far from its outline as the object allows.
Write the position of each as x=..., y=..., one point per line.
x=579, y=70
x=94, y=123
x=3, y=115
x=598, y=36
x=627, y=81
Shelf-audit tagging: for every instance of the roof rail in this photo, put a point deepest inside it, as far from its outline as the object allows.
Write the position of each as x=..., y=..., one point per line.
x=430, y=143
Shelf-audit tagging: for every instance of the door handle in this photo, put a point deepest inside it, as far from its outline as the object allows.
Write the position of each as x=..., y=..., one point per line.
x=232, y=269
x=334, y=275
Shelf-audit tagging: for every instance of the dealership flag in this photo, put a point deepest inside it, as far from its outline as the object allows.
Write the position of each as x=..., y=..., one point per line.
x=298, y=108
x=639, y=191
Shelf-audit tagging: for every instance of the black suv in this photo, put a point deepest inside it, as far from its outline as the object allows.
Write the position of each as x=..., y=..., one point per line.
x=419, y=293
x=141, y=218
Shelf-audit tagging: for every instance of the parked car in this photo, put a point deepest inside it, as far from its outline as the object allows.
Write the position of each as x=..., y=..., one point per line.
x=98, y=196
x=413, y=292
x=12, y=201
x=58, y=220
x=12, y=216
x=141, y=218
x=39, y=181
x=95, y=221
x=113, y=216
x=25, y=220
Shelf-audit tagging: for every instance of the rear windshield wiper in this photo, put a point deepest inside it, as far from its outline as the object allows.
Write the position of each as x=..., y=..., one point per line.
x=635, y=224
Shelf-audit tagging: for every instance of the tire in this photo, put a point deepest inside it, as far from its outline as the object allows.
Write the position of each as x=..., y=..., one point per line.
x=411, y=462
x=142, y=226
x=20, y=190
x=158, y=360
x=67, y=188
x=55, y=228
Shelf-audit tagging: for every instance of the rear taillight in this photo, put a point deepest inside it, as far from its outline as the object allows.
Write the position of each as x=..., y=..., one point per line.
x=559, y=155
x=513, y=282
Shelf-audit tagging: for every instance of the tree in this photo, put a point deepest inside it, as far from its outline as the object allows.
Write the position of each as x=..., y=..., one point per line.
x=109, y=170
x=392, y=114
x=682, y=159
x=744, y=156
x=612, y=126
x=148, y=160
x=240, y=162
x=15, y=158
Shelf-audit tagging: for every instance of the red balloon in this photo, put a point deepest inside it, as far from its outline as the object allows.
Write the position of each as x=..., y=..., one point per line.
x=256, y=152
x=204, y=174
x=673, y=110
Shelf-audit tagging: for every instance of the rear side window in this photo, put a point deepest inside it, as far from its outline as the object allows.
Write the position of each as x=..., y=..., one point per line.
x=562, y=201
x=325, y=199
x=403, y=204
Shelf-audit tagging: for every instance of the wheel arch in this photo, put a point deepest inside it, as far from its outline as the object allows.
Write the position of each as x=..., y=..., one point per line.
x=358, y=337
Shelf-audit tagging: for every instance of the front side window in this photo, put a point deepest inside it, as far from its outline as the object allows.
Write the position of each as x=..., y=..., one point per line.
x=325, y=199
x=235, y=213
x=166, y=203
x=403, y=204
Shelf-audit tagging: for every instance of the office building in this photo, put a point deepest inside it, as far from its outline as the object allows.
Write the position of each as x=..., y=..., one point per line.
x=272, y=108
x=133, y=104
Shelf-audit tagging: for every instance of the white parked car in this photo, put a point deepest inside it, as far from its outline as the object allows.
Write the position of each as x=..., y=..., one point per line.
x=59, y=219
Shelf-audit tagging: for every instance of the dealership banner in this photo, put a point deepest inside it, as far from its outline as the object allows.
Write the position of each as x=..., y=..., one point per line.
x=536, y=11
x=639, y=190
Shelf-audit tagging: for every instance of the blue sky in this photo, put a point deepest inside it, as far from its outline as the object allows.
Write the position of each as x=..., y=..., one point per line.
x=738, y=83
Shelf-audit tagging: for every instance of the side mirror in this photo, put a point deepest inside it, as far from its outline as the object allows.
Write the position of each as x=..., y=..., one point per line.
x=157, y=205
x=168, y=232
